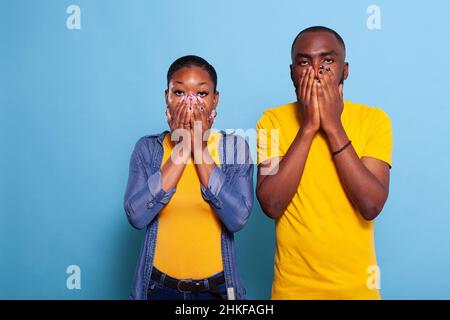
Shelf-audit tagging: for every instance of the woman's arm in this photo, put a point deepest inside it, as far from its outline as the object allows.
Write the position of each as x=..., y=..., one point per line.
x=144, y=195
x=230, y=193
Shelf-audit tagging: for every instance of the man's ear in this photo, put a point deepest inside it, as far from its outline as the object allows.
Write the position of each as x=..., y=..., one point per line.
x=345, y=70
x=292, y=76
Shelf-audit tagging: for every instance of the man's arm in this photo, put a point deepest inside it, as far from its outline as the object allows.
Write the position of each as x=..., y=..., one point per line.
x=275, y=191
x=366, y=180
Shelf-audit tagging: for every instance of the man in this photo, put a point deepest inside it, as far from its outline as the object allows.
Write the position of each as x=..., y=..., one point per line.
x=323, y=175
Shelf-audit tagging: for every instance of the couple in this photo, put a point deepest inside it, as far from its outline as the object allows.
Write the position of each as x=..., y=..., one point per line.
x=323, y=176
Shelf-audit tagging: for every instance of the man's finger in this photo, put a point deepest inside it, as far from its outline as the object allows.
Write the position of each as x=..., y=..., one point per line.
x=324, y=84
x=333, y=80
x=301, y=83
x=314, y=90
x=305, y=83
x=310, y=85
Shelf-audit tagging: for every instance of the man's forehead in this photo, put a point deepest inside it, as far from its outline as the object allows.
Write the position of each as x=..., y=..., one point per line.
x=313, y=43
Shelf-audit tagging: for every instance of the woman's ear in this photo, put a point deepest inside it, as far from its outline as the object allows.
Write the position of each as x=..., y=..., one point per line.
x=216, y=99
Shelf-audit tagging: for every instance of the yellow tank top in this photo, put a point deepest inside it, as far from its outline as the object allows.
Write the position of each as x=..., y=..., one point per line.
x=189, y=232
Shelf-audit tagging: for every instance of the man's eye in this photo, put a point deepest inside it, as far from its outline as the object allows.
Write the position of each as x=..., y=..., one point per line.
x=202, y=94
x=303, y=63
x=329, y=60
x=178, y=92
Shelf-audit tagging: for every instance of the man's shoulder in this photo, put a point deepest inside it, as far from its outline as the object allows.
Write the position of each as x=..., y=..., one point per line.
x=285, y=109
x=281, y=113
x=364, y=111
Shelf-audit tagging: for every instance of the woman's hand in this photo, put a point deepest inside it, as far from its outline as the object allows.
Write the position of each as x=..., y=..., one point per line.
x=181, y=117
x=201, y=123
x=180, y=126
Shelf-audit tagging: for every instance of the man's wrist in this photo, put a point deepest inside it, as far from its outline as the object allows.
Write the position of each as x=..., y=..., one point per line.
x=334, y=129
x=308, y=131
x=336, y=136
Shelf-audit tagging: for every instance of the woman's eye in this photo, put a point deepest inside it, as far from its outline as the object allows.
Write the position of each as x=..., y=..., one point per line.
x=178, y=92
x=202, y=94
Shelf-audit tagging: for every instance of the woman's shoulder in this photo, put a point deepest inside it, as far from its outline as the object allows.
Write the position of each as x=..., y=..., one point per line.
x=151, y=138
x=233, y=137
x=235, y=148
x=147, y=143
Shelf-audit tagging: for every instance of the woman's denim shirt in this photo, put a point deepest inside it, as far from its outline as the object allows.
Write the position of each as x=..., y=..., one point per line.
x=229, y=192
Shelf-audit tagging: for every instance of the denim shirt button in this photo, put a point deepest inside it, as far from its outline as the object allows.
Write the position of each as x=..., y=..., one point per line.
x=150, y=205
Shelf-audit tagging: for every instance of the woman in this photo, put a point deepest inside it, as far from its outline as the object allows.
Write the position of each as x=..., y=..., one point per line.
x=191, y=189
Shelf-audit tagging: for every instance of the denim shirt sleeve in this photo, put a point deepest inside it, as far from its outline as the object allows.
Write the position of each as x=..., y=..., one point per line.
x=144, y=195
x=230, y=191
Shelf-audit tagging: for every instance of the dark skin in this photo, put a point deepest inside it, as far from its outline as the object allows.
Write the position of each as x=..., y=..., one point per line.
x=190, y=99
x=318, y=70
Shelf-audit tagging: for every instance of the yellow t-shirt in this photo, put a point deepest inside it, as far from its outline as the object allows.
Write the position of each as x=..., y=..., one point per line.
x=324, y=247
x=188, y=243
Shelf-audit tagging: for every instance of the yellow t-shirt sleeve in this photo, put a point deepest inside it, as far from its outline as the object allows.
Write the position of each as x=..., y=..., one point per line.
x=268, y=137
x=379, y=142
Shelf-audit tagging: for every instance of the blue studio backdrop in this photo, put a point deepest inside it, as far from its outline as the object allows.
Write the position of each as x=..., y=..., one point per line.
x=81, y=81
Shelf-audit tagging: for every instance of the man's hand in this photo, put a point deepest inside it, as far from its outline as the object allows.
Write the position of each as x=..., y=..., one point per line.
x=331, y=102
x=307, y=96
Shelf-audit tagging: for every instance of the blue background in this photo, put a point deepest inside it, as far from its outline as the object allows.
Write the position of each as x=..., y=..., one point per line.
x=74, y=102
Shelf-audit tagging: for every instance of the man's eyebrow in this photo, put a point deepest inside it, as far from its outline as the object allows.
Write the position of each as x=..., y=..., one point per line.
x=328, y=53
x=302, y=54
x=198, y=83
x=322, y=54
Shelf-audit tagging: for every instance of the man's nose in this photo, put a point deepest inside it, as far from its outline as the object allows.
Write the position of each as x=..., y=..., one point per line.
x=316, y=68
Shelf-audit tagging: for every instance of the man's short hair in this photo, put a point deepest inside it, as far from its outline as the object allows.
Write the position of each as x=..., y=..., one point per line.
x=318, y=29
